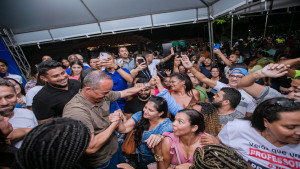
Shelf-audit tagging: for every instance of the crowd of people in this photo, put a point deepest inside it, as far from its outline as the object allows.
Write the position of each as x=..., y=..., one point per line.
x=235, y=108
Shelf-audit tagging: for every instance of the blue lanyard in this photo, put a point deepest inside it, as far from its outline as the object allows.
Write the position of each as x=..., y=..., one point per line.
x=146, y=74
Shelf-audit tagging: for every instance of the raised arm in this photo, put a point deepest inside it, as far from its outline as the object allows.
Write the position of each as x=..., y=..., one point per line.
x=124, y=74
x=188, y=65
x=168, y=57
x=132, y=90
x=290, y=62
x=134, y=72
x=225, y=60
x=248, y=84
x=176, y=64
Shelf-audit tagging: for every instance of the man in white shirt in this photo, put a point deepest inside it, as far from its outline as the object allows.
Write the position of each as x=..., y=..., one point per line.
x=247, y=103
x=151, y=62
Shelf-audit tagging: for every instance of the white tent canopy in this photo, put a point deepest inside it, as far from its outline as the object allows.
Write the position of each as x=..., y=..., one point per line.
x=40, y=21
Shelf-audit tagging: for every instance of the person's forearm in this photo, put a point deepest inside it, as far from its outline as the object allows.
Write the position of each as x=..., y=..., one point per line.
x=160, y=87
x=291, y=73
x=129, y=91
x=166, y=58
x=225, y=60
x=125, y=75
x=290, y=62
x=175, y=69
x=250, y=79
x=134, y=72
x=202, y=78
x=100, y=139
x=18, y=133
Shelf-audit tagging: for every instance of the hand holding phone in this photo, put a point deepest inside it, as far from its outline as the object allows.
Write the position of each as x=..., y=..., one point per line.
x=217, y=46
x=103, y=55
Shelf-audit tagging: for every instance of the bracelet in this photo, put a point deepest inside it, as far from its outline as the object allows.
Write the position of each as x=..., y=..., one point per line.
x=118, y=67
x=158, y=158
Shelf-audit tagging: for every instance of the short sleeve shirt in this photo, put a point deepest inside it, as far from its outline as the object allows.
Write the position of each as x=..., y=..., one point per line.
x=255, y=149
x=31, y=93
x=165, y=126
x=247, y=103
x=127, y=65
x=95, y=117
x=50, y=102
x=152, y=67
x=268, y=93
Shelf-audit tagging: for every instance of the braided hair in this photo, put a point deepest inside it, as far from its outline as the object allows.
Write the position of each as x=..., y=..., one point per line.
x=213, y=156
x=54, y=144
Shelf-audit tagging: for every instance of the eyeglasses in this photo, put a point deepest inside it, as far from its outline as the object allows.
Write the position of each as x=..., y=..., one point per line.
x=295, y=89
x=236, y=76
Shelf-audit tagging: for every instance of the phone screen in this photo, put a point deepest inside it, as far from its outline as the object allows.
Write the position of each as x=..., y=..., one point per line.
x=217, y=46
x=140, y=61
x=102, y=56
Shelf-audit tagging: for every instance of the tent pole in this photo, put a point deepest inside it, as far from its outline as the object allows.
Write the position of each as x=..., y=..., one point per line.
x=266, y=23
x=231, y=36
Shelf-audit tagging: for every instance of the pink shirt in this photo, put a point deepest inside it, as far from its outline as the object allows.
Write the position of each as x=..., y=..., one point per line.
x=174, y=143
x=72, y=77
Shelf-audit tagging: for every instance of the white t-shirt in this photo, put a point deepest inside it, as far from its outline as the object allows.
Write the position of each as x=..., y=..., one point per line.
x=31, y=93
x=152, y=67
x=256, y=150
x=16, y=77
x=23, y=118
x=247, y=103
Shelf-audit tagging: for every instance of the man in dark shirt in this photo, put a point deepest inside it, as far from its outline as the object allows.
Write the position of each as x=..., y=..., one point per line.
x=138, y=103
x=49, y=102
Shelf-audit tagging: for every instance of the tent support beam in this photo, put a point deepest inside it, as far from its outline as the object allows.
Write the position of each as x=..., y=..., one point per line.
x=210, y=30
x=231, y=34
x=98, y=22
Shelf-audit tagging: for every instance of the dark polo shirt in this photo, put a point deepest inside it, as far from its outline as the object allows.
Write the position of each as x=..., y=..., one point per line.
x=50, y=102
x=96, y=119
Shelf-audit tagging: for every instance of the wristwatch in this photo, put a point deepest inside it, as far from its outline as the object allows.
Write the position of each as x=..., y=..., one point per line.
x=158, y=157
x=118, y=67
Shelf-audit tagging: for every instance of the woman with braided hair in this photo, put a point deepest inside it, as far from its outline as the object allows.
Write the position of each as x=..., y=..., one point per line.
x=55, y=144
x=214, y=156
x=177, y=148
x=271, y=139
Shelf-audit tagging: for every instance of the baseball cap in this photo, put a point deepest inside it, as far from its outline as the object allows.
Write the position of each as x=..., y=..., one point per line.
x=239, y=70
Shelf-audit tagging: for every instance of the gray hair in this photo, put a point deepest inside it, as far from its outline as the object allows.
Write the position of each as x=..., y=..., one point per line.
x=93, y=79
x=5, y=82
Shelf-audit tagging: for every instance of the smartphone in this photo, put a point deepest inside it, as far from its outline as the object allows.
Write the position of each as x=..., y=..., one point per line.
x=179, y=54
x=140, y=61
x=217, y=46
x=103, y=55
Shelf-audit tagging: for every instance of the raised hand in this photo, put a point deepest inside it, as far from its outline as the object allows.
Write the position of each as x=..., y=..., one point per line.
x=274, y=70
x=177, y=61
x=186, y=62
x=168, y=72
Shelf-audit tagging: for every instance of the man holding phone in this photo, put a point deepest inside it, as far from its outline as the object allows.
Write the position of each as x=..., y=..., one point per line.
x=153, y=62
x=120, y=76
x=128, y=62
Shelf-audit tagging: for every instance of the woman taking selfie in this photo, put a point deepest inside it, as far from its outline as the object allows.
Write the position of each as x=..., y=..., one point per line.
x=177, y=148
x=141, y=70
x=182, y=94
x=76, y=69
x=270, y=138
x=149, y=124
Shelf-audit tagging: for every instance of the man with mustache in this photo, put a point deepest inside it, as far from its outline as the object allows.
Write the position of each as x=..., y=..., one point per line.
x=49, y=102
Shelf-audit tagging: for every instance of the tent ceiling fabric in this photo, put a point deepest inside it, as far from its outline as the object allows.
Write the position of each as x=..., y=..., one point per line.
x=38, y=21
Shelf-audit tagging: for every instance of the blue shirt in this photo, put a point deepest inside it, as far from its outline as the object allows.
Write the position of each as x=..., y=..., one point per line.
x=119, y=84
x=173, y=107
x=165, y=126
